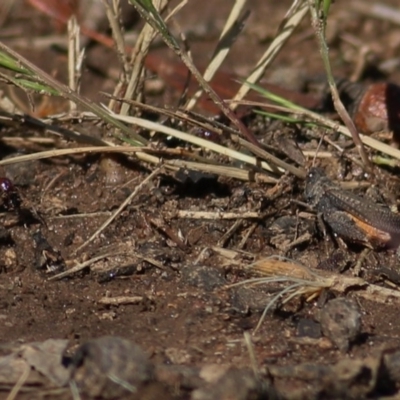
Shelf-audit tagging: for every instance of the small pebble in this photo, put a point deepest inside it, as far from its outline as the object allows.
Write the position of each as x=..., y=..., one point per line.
x=203, y=277
x=341, y=322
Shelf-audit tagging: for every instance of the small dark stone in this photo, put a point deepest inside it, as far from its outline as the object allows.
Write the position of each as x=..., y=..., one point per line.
x=284, y=224
x=341, y=322
x=245, y=299
x=308, y=328
x=203, y=277
x=47, y=258
x=184, y=175
x=22, y=174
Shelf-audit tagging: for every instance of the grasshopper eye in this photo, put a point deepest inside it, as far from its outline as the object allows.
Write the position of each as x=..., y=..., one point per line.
x=9, y=197
x=314, y=174
x=6, y=185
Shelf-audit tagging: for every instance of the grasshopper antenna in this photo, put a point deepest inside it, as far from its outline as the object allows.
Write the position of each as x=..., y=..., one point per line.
x=318, y=148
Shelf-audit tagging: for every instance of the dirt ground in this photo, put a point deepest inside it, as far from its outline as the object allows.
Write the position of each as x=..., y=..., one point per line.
x=163, y=280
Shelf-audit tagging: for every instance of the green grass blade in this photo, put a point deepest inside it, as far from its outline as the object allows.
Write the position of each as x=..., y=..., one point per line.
x=11, y=64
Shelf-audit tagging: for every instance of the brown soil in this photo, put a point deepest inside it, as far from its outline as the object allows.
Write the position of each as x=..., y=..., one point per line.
x=182, y=312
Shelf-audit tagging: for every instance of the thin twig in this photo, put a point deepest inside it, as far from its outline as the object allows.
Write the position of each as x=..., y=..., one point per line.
x=81, y=266
x=121, y=207
x=120, y=300
x=229, y=233
x=215, y=215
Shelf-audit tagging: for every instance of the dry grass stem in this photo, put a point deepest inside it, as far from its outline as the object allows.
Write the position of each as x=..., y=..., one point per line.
x=221, y=170
x=216, y=215
x=272, y=160
x=153, y=126
x=222, y=241
x=327, y=122
x=120, y=300
x=252, y=355
x=26, y=120
x=282, y=269
x=138, y=55
x=83, y=215
x=233, y=26
x=21, y=141
x=63, y=152
x=74, y=390
x=140, y=153
x=317, y=154
x=152, y=261
x=246, y=235
x=81, y=266
x=301, y=281
x=232, y=255
x=75, y=59
x=113, y=16
x=292, y=19
x=281, y=266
